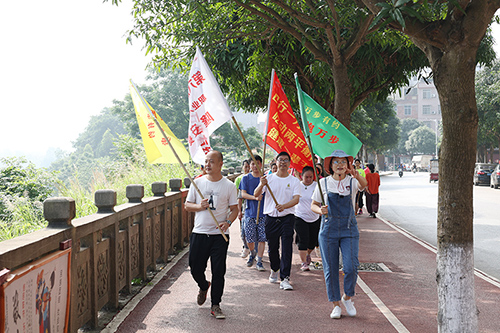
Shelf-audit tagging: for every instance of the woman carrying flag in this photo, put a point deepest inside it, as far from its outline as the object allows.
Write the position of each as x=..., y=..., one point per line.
x=339, y=228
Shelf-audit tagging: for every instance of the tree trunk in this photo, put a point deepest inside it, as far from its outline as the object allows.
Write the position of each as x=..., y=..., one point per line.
x=342, y=107
x=454, y=72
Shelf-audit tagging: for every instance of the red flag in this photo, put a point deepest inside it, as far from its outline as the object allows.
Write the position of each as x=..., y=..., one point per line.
x=284, y=133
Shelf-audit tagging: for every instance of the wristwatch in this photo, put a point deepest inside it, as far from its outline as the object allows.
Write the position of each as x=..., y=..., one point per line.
x=229, y=222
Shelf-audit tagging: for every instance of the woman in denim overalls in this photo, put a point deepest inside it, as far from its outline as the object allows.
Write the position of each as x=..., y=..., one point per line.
x=339, y=228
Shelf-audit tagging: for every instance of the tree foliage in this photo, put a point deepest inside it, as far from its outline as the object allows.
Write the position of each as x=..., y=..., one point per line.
x=340, y=59
x=422, y=140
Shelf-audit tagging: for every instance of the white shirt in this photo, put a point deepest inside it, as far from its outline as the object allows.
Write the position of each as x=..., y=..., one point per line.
x=221, y=195
x=341, y=187
x=303, y=208
x=284, y=189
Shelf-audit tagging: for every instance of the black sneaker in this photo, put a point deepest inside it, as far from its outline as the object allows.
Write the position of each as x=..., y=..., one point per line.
x=217, y=312
x=202, y=295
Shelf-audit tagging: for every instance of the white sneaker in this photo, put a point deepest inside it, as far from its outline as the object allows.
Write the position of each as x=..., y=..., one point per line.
x=349, y=306
x=285, y=284
x=273, y=278
x=245, y=253
x=337, y=311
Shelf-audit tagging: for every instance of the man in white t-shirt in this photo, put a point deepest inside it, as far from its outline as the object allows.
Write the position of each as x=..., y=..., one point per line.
x=206, y=240
x=280, y=218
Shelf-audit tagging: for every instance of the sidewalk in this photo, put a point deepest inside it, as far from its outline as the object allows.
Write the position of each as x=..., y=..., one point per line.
x=403, y=298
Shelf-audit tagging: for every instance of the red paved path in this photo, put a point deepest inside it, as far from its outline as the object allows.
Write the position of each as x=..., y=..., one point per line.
x=252, y=304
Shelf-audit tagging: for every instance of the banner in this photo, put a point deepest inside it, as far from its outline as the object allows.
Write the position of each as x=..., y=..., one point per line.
x=208, y=109
x=157, y=150
x=327, y=133
x=284, y=133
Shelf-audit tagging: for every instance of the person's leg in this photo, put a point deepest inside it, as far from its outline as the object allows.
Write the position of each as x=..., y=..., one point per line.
x=329, y=247
x=375, y=201
x=286, y=246
x=250, y=233
x=302, y=231
x=369, y=203
x=313, y=235
x=350, y=249
x=272, y=235
x=198, y=257
x=218, y=255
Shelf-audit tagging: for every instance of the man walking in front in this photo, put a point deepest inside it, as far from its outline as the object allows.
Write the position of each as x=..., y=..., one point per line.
x=280, y=218
x=206, y=240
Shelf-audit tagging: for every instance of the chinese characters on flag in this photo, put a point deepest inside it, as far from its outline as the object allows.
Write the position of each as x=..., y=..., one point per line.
x=208, y=109
x=284, y=133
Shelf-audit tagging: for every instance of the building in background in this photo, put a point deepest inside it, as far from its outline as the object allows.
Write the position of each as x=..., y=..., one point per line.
x=420, y=101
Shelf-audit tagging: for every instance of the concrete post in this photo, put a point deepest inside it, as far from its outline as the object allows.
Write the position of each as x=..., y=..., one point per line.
x=175, y=184
x=231, y=170
x=225, y=172
x=59, y=211
x=159, y=188
x=187, y=182
x=105, y=201
x=238, y=169
x=134, y=193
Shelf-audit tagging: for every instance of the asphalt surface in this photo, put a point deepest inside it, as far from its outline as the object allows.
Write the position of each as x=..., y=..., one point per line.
x=403, y=298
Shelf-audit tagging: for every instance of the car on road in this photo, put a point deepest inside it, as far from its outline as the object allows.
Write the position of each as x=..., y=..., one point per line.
x=495, y=177
x=482, y=173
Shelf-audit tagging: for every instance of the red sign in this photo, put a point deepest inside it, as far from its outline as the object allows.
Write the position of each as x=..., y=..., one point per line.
x=284, y=133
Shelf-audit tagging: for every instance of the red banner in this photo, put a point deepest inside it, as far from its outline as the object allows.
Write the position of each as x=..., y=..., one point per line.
x=284, y=133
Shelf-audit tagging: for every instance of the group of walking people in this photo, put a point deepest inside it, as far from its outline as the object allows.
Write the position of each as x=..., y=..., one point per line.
x=276, y=206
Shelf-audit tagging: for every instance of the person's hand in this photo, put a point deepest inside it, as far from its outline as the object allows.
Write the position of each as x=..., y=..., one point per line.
x=204, y=204
x=263, y=180
x=224, y=226
x=352, y=170
x=324, y=210
x=240, y=215
x=280, y=208
x=259, y=198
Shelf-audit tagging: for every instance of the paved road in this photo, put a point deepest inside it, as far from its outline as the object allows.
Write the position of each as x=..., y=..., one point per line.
x=411, y=202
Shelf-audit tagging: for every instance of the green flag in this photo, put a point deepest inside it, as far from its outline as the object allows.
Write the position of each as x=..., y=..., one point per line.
x=326, y=133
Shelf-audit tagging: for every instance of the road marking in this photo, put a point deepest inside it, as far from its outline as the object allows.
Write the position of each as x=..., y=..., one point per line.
x=477, y=272
x=383, y=308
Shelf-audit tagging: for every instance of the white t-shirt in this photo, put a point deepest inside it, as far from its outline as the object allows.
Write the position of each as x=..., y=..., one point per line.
x=341, y=187
x=220, y=194
x=303, y=208
x=284, y=189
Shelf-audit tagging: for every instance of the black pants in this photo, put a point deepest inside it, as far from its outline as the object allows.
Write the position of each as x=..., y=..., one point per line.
x=276, y=228
x=372, y=202
x=202, y=247
x=359, y=199
x=306, y=233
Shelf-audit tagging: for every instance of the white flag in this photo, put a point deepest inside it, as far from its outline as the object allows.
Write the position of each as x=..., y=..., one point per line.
x=208, y=109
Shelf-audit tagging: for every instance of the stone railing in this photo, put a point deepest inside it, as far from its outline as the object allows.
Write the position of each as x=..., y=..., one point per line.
x=109, y=248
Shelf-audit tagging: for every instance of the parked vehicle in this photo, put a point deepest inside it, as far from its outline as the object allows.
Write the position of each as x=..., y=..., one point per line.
x=434, y=175
x=422, y=162
x=482, y=173
x=495, y=177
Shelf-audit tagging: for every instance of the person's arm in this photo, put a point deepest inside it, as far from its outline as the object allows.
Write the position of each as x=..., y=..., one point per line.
x=289, y=204
x=233, y=214
x=194, y=207
x=240, y=206
x=258, y=190
x=247, y=196
x=318, y=209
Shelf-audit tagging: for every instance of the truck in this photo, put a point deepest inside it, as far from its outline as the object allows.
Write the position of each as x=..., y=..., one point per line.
x=422, y=162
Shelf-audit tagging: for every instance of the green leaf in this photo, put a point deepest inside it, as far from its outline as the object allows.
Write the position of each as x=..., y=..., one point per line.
x=399, y=17
x=401, y=2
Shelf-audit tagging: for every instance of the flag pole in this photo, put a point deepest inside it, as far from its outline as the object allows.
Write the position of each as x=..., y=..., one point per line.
x=302, y=115
x=265, y=139
x=178, y=159
x=253, y=157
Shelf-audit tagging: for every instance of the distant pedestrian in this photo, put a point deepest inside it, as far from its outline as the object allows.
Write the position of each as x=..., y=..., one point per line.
x=359, y=195
x=245, y=168
x=280, y=218
x=306, y=221
x=339, y=229
x=372, y=195
x=206, y=241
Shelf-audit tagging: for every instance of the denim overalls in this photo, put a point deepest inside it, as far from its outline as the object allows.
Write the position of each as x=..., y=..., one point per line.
x=339, y=230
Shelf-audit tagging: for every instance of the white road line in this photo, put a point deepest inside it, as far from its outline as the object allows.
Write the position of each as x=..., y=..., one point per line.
x=477, y=272
x=383, y=308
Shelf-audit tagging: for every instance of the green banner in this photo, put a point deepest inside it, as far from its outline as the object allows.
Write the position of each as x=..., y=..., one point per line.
x=327, y=133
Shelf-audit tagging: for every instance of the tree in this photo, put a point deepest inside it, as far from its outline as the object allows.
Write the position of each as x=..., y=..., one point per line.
x=340, y=58
x=407, y=126
x=488, y=106
x=450, y=33
x=422, y=140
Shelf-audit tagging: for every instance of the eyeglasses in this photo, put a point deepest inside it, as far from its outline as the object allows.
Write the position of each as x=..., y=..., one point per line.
x=339, y=162
x=286, y=160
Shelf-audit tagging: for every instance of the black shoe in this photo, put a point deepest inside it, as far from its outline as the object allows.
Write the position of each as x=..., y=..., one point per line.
x=202, y=296
x=374, y=216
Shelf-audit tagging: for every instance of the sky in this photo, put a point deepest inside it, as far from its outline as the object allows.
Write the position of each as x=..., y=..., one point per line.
x=61, y=62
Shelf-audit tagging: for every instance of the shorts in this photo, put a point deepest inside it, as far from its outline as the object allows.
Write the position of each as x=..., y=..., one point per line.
x=255, y=232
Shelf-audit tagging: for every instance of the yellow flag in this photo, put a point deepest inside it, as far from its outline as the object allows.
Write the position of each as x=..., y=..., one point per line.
x=156, y=146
